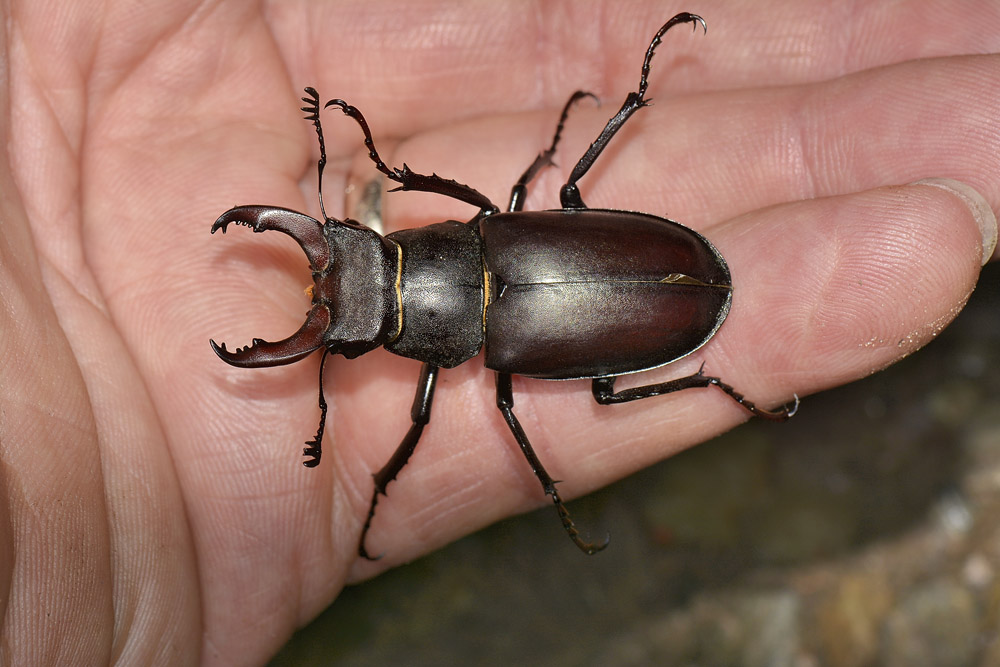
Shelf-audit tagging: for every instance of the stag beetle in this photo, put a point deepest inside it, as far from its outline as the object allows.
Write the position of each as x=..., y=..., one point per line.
x=567, y=293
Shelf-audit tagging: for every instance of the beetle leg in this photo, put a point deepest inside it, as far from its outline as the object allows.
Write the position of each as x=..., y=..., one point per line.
x=544, y=159
x=420, y=413
x=409, y=180
x=314, y=448
x=605, y=394
x=505, y=401
x=570, y=193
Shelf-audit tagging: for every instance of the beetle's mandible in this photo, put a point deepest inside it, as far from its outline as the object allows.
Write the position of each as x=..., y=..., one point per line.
x=544, y=294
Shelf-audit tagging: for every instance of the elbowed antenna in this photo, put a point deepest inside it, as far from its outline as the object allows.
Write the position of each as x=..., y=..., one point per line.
x=312, y=114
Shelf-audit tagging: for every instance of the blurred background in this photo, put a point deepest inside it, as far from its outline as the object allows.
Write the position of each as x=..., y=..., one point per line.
x=865, y=531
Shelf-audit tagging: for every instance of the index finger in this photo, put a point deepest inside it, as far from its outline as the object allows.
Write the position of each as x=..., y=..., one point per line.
x=417, y=66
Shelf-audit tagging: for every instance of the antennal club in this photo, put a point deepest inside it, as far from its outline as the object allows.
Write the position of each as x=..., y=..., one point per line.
x=312, y=114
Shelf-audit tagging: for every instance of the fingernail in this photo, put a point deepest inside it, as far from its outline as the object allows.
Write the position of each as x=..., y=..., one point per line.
x=978, y=206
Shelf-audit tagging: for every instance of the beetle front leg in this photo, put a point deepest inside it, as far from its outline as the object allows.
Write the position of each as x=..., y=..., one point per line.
x=420, y=413
x=314, y=448
x=505, y=401
x=409, y=180
x=605, y=394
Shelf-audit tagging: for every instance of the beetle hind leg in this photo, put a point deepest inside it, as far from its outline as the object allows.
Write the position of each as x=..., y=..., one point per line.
x=505, y=401
x=420, y=413
x=569, y=196
x=605, y=394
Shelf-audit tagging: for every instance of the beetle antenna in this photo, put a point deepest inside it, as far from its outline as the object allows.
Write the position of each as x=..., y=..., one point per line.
x=312, y=114
x=314, y=448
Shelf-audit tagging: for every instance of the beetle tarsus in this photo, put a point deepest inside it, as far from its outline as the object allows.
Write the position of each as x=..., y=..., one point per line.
x=589, y=548
x=605, y=394
x=420, y=415
x=683, y=17
x=773, y=415
x=786, y=411
x=362, y=551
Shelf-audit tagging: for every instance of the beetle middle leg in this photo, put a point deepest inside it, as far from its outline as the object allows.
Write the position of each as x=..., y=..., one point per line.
x=569, y=196
x=420, y=413
x=544, y=159
x=605, y=394
x=505, y=401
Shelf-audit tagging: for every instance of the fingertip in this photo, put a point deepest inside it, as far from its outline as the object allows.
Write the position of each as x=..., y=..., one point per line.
x=833, y=289
x=982, y=212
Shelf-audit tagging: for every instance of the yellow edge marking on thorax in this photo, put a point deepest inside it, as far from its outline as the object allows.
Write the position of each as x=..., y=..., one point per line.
x=486, y=292
x=399, y=289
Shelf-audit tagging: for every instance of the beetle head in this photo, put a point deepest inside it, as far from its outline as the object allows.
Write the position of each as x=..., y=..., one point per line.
x=354, y=306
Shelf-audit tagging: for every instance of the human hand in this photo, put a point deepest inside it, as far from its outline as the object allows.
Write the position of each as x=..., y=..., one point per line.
x=155, y=501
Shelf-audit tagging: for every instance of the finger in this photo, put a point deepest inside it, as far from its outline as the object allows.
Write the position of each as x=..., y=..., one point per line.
x=733, y=152
x=838, y=288
x=825, y=291
x=53, y=522
x=705, y=158
x=418, y=66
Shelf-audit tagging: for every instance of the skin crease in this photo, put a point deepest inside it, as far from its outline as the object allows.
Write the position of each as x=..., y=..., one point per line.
x=155, y=509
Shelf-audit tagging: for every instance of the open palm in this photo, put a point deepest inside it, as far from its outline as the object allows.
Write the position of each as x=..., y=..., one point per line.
x=156, y=504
